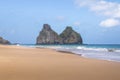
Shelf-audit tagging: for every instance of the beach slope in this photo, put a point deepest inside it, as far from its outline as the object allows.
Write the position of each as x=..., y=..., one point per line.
x=21, y=63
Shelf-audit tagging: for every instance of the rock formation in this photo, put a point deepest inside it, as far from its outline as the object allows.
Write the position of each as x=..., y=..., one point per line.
x=48, y=36
x=3, y=41
x=69, y=36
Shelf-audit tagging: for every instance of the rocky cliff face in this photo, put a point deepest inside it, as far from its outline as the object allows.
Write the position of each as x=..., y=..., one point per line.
x=3, y=41
x=48, y=36
x=69, y=36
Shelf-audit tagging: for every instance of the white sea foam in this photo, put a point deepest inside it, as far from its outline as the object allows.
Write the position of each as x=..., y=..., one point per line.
x=92, y=49
x=97, y=53
x=117, y=51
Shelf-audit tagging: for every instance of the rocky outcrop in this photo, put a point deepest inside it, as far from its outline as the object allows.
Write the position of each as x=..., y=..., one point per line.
x=48, y=36
x=3, y=41
x=69, y=36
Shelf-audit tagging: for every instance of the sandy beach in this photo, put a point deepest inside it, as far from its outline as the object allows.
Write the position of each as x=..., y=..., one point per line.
x=22, y=63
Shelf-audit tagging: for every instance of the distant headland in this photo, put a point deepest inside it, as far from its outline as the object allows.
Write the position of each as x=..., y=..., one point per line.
x=49, y=36
x=3, y=41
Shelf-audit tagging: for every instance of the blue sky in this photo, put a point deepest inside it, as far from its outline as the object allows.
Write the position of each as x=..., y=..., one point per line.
x=98, y=21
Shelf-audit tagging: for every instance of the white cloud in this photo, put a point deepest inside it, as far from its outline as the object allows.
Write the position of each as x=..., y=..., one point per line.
x=12, y=31
x=81, y=3
x=77, y=23
x=110, y=23
x=60, y=18
x=102, y=7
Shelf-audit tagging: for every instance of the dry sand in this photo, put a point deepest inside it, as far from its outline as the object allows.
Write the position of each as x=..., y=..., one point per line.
x=20, y=63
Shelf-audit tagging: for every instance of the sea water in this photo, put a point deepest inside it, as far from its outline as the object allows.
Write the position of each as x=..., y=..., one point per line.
x=97, y=51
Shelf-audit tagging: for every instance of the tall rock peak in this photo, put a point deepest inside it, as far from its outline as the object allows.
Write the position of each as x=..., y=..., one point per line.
x=46, y=27
x=48, y=36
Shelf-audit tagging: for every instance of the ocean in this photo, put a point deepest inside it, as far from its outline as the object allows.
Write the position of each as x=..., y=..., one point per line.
x=110, y=52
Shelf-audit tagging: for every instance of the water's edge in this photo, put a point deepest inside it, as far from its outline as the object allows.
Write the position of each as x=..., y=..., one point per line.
x=102, y=52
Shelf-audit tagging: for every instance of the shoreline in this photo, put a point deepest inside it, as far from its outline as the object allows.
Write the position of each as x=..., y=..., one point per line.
x=61, y=51
x=24, y=63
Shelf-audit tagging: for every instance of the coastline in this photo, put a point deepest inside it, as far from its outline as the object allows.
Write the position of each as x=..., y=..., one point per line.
x=24, y=63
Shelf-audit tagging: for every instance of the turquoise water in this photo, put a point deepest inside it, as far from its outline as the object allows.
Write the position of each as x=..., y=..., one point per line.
x=97, y=51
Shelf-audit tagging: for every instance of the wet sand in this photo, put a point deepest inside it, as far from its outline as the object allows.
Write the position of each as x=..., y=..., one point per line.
x=22, y=63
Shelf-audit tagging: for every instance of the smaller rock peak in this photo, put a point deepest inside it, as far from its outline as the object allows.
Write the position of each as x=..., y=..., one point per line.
x=69, y=28
x=46, y=27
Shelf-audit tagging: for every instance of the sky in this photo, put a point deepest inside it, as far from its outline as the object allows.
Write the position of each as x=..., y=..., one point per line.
x=98, y=21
